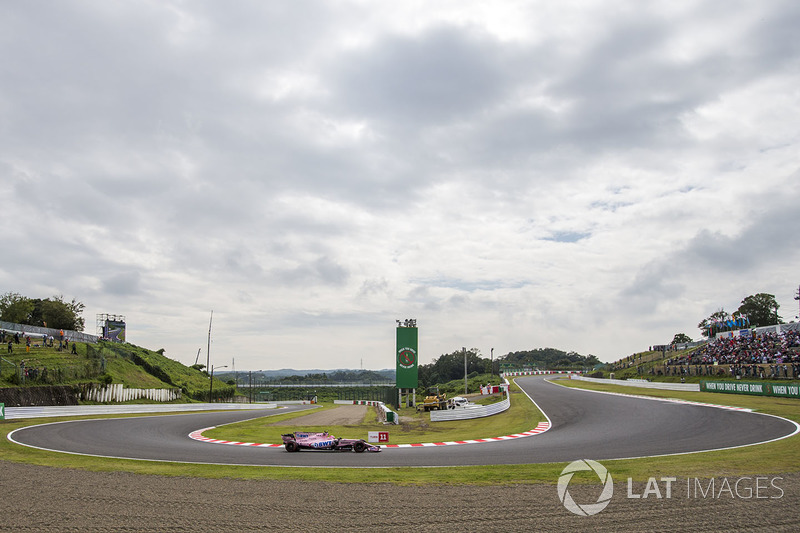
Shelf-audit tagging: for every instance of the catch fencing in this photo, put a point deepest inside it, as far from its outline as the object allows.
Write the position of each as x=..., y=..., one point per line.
x=37, y=331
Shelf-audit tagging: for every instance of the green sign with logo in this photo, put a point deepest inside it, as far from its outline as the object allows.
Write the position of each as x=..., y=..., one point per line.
x=2, y=411
x=749, y=387
x=407, y=358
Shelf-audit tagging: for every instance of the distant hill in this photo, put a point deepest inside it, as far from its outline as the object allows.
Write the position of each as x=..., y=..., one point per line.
x=548, y=358
x=339, y=375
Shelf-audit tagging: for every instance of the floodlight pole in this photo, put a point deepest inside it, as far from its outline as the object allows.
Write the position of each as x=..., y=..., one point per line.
x=211, y=384
x=208, y=352
x=797, y=297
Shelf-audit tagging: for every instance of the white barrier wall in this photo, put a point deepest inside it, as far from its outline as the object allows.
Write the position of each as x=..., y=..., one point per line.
x=117, y=393
x=473, y=411
x=538, y=372
x=387, y=415
x=694, y=387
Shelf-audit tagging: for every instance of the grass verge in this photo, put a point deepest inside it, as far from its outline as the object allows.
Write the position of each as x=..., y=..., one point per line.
x=772, y=458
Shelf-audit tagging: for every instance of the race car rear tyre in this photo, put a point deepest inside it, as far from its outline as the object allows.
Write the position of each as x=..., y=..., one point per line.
x=292, y=446
x=359, y=447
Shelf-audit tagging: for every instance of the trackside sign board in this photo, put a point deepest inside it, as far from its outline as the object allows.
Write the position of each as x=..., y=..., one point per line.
x=406, y=357
x=377, y=436
x=747, y=387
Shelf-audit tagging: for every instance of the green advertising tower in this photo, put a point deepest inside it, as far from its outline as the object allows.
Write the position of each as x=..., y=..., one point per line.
x=406, y=355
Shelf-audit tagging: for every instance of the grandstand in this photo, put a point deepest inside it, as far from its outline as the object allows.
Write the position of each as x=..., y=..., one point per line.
x=771, y=352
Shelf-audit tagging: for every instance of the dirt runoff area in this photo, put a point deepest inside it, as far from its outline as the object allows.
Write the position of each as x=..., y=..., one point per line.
x=346, y=415
x=36, y=498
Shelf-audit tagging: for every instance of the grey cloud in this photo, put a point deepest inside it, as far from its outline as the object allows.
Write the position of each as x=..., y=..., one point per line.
x=144, y=156
x=447, y=74
x=321, y=271
x=762, y=242
x=123, y=284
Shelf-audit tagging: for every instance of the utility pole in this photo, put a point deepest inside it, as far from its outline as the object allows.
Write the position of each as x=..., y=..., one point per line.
x=491, y=361
x=464, y=348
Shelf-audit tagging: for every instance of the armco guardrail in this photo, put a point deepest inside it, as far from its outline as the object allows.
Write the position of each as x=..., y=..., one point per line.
x=49, y=411
x=693, y=387
x=312, y=385
x=472, y=411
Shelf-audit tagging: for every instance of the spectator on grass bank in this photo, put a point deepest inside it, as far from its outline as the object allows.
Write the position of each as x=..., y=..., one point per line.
x=10, y=346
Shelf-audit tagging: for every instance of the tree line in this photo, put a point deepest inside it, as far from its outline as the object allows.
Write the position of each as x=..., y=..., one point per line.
x=755, y=311
x=52, y=312
x=449, y=367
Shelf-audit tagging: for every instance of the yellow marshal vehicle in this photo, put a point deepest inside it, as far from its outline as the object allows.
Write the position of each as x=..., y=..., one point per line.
x=434, y=400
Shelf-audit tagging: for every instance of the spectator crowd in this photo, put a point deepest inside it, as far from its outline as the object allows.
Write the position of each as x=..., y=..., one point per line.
x=768, y=355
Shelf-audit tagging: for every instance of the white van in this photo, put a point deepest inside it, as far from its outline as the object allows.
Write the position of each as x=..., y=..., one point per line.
x=458, y=401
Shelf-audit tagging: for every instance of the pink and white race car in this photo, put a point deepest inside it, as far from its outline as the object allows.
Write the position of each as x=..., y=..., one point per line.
x=294, y=442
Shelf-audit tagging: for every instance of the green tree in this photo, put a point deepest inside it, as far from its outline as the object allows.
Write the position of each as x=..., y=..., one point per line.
x=761, y=309
x=548, y=358
x=448, y=367
x=15, y=308
x=681, y=338
x=56, y=313
x=51, y=312
x=706, y=325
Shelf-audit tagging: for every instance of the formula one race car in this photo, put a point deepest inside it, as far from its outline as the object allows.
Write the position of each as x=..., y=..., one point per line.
x=323, y=441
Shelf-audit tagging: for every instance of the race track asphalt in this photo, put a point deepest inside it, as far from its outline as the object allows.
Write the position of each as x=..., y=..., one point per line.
x=584, y=425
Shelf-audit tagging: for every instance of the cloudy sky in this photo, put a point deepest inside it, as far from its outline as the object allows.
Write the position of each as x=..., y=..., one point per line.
x=588, y=176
